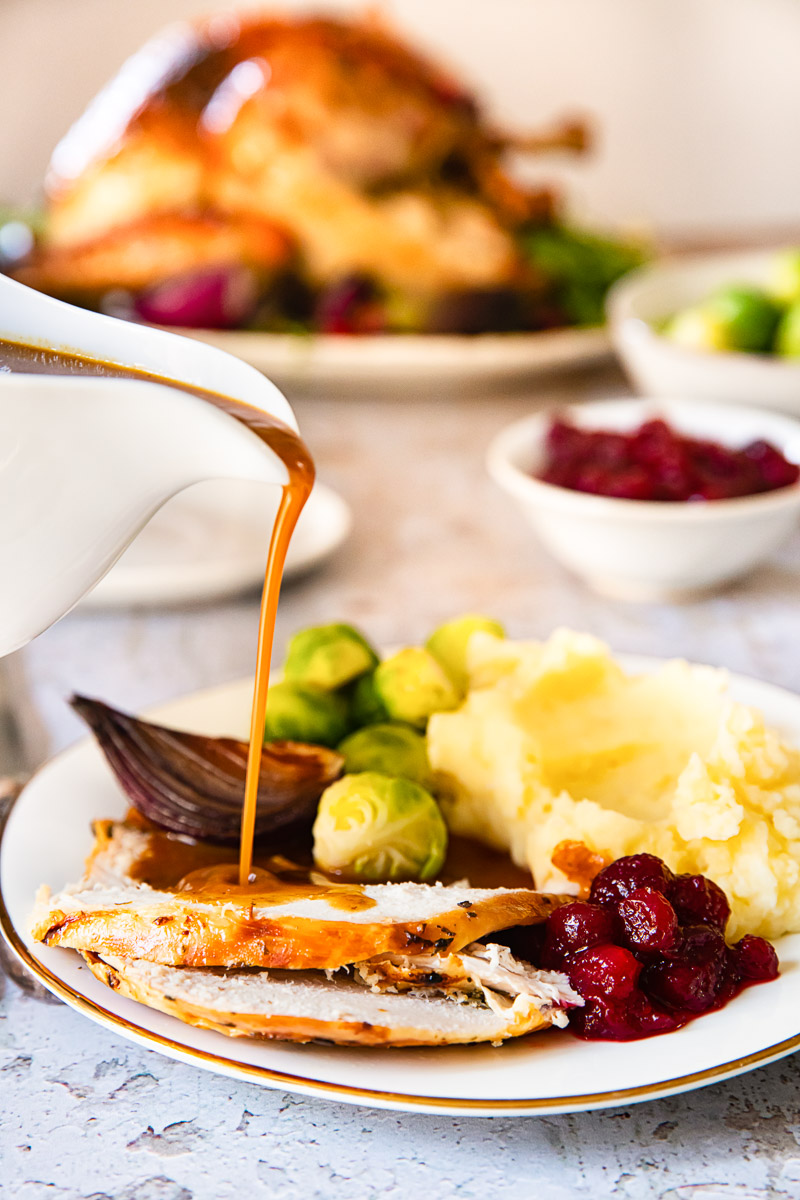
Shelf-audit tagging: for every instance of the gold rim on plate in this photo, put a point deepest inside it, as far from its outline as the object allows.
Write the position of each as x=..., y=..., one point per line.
x=338, y=1091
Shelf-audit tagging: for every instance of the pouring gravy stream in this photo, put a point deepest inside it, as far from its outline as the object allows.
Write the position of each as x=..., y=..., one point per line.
x=291, y=450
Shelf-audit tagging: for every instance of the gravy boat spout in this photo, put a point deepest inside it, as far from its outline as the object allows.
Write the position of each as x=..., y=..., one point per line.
x=85, y=461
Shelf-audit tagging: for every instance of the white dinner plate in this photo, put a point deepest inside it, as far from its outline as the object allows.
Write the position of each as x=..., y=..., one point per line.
x=212, y=540
x=46, y=839
x=392, y=363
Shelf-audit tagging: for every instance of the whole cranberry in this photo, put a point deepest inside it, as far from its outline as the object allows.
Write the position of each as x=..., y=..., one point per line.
x=620, y=878
x=648, y=921
x=773, y=469
x=690, y=979
x=575, y=927
x=655, y=441
x=664, y=453
x=699, y=901
x=602, y=1020
x=629, y=483
x=647, y=1018
x=700, y=943
x=351, y=304
x=606, y=971
x=622, y=1020
x=754, y=959
x=729, y=982
x=588, y=477
x=611, y=450
x=565, y=444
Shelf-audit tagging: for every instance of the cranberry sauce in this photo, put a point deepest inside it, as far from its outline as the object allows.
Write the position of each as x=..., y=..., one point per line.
x=646, y=951
x=657, y=463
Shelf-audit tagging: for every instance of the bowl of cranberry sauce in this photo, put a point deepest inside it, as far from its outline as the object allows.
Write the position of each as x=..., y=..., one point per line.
x=654, y=500
x=656, y=462
x=646, y=951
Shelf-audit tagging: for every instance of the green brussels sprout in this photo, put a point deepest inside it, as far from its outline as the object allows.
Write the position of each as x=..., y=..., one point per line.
x=390, y=749
x=748, y=317
x=783, y=281
x=366, y=706
x=787, y=341
x=412, y=685
x=448, y=644
x=305, y=714
x=696, y=328
x=734, y=318
x=328, y=656
x=374, y=828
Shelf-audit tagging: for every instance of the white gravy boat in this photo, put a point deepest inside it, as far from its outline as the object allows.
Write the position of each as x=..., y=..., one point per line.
x=85, y=462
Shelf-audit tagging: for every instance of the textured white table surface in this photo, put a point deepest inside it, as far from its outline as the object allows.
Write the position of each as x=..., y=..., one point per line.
x=87, y=1116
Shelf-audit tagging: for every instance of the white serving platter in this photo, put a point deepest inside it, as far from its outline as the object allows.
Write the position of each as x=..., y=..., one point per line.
x=394, y=363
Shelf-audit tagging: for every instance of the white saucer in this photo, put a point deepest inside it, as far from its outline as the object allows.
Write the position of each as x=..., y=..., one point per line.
x=212, y=540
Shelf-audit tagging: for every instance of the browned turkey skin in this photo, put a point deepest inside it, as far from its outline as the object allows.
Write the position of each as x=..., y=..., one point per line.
x=302, y=957
x=313, y=144
x=295, y=921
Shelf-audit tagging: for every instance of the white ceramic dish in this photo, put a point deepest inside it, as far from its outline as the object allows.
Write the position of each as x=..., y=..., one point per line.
x=395, y=363
x=85, y=462
x=47, y=837
x=642, y=550
x=658, y=367
x=211, y=541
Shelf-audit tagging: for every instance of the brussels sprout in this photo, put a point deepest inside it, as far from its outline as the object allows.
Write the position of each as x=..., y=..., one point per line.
x=390, y=749
x=697, y=329
x=328, y=656
x=375, y=828
x=412, y=685
x=787, y=341
x=448, y=644
x=305, y=714
x=366, y=706
x=734, y=318
x=783, y=280
x=748, y=317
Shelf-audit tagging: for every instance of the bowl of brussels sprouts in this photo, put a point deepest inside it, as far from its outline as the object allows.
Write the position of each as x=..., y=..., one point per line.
x=723, y=327
x=381, y=821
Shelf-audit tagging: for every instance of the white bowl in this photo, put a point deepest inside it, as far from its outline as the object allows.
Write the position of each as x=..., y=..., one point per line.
x=658, y=367
x=651, y=550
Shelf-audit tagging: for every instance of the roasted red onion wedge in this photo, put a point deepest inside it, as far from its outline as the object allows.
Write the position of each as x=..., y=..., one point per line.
x=194, y=785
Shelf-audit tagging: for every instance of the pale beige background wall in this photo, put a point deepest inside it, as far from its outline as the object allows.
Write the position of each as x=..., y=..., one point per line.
x=698, y=100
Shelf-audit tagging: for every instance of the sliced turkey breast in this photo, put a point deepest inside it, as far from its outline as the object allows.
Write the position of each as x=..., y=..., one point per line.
x=303, y=1006
x=293, y=919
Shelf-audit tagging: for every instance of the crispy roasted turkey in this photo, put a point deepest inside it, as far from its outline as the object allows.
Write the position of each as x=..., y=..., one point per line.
x=314, y=146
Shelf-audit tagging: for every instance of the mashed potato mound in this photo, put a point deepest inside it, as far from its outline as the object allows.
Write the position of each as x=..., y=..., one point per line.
x=554, y=743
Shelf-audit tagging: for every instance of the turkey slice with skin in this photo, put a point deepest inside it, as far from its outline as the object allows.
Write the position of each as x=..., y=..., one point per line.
x=303, y=1006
